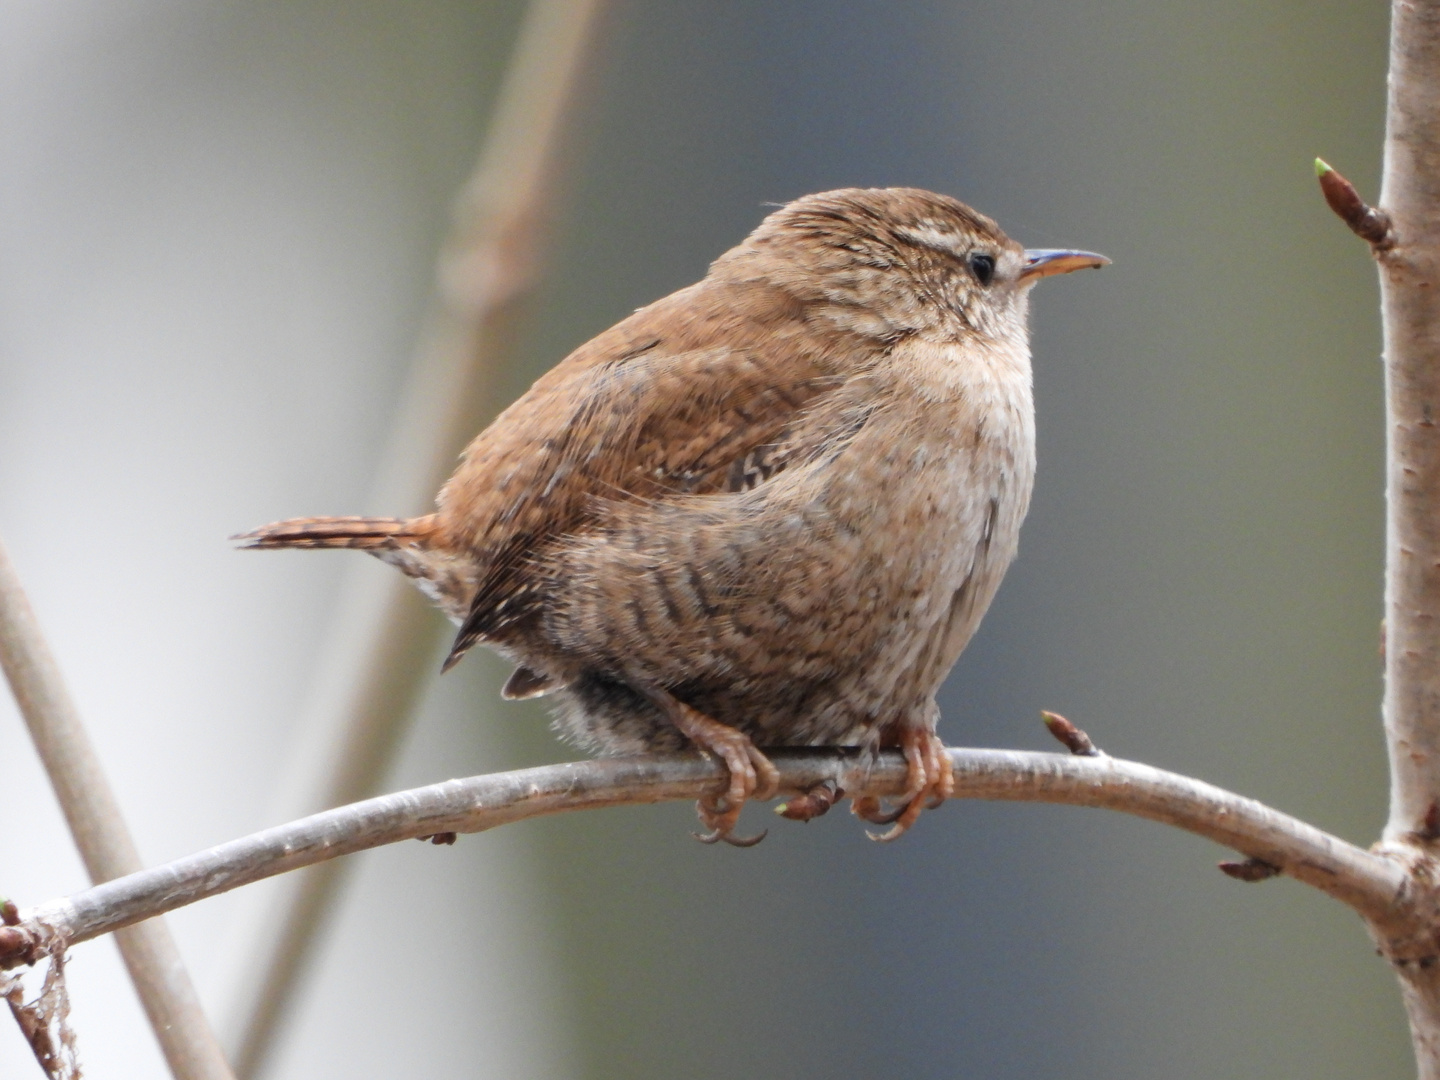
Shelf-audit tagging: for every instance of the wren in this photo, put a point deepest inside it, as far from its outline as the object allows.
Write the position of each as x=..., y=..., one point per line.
x=767, y=510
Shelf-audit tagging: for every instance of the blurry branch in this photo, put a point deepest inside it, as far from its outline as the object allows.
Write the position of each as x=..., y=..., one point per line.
x=1371, y=884
x=382, y=646
x=1404, y=237
x=105, y=844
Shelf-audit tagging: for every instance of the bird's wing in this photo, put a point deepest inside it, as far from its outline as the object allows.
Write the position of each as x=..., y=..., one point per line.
x=693, y=395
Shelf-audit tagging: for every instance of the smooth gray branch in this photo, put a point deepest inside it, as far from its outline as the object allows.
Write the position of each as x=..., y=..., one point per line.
x=1371, y=884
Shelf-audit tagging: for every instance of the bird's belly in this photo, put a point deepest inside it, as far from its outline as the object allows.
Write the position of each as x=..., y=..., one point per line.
x=950, y=566
x=809, y=611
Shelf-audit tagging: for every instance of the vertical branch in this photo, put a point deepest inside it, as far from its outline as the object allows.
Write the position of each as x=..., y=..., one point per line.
x=105, y=843
x=1410, y=292
x=1409, y=258
x=385, y=637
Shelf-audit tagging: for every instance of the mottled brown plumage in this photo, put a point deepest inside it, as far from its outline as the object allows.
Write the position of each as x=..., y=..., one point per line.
x=767, y=510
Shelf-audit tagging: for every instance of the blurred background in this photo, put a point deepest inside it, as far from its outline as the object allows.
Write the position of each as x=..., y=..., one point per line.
x=219, y=224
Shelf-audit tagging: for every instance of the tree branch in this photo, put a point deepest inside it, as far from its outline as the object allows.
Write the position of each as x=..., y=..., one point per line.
x=1373, y=885
x=1410, y=301
x=1411, y=305
x=93, y=814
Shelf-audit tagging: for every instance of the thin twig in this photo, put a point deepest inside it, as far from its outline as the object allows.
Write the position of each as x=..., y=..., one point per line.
x=105, y=844
x=381, y=650
x=45, y=1021
x=1371, y=884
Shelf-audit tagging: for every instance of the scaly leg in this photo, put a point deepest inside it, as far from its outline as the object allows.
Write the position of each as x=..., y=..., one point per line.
x=751, y=773
x=930, y=780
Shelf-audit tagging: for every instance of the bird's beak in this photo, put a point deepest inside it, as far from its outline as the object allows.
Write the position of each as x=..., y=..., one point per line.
x=1043, y=262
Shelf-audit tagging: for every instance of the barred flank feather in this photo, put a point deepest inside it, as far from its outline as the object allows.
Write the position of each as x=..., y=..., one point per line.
x=335, y=532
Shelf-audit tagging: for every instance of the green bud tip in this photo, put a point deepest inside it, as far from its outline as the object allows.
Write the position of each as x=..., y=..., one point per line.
x=782, y=808
x=1321, y=168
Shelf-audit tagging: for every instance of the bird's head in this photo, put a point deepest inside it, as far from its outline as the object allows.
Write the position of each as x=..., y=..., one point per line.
x=889, y=262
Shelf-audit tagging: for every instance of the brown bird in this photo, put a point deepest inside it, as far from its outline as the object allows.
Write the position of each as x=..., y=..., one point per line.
x=767, y=510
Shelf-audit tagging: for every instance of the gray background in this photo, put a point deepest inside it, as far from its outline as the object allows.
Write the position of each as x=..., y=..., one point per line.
x=217, y=228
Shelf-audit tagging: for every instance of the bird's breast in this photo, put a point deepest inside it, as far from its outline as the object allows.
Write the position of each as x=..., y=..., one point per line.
x=950, y=455
x=953, y=454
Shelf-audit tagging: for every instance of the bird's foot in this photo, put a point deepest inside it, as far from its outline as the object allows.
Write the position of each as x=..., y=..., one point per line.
x=752, y=776
x=930, y=780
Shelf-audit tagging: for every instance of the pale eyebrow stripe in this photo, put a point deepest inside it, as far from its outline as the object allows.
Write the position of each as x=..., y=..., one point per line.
x=932, y=237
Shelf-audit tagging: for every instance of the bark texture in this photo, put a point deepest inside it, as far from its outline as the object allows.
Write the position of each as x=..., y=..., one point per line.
x=1410, y=291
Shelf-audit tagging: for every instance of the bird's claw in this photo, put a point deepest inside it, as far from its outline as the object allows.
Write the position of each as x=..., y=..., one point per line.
x=871, y=809
x=930, y=780
x=752, y=776
x=720, y=815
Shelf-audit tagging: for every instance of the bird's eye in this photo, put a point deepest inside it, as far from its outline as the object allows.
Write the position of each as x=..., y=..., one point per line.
x=983, y=267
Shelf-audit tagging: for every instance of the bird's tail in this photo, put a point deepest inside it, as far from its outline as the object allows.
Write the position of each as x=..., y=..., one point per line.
x=337, y=532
